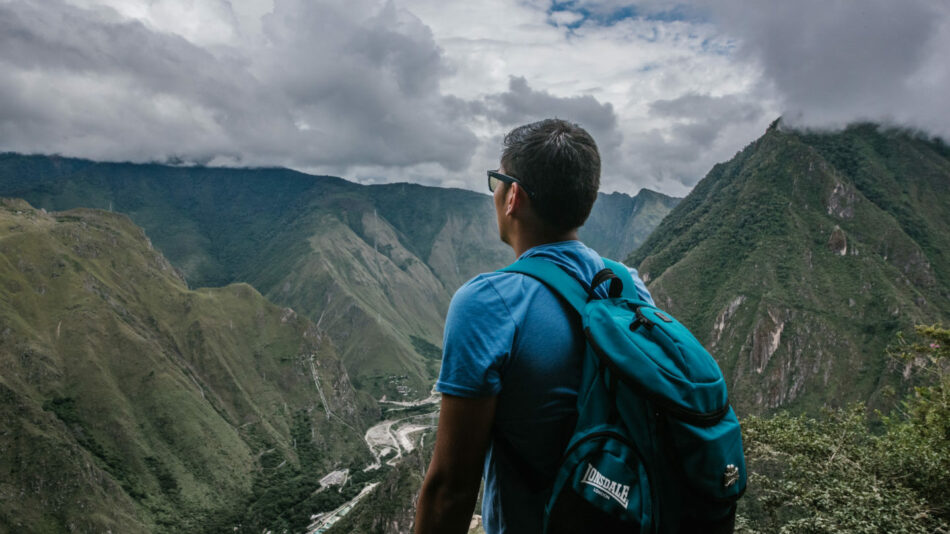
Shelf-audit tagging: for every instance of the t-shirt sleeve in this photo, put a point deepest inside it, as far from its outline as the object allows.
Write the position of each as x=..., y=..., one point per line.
x=479, y=334
x=642, y=290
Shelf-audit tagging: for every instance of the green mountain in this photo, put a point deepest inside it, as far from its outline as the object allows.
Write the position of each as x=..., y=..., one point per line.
x=619, y=223
x=374, y=266
x=130, y=403
x=797, y=261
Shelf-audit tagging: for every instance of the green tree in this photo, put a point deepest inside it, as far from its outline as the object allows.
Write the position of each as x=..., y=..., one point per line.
x=917, y=448
x=848, y=472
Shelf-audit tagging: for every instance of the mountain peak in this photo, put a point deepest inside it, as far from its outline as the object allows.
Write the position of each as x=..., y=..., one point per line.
x=828, y=242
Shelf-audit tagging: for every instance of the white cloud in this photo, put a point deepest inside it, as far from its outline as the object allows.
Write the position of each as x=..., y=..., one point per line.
x=628, y=65
x=424, y=90
x=565, y=18
x=134, y=84
x=207, y=22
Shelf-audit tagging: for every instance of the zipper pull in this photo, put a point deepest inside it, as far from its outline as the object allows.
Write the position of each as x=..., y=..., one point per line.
x=641, y=320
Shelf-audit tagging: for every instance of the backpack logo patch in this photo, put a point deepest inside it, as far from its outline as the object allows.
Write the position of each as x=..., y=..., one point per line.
x=730, y=476
x=605, y=487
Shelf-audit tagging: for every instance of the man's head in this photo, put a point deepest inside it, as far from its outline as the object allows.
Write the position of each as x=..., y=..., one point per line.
x=558, y=162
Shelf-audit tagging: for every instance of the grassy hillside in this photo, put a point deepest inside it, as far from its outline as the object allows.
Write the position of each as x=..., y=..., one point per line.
x=799, y=259
x=130, y=403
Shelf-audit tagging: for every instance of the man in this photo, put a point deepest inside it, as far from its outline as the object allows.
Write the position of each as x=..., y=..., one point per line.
x=511, y=362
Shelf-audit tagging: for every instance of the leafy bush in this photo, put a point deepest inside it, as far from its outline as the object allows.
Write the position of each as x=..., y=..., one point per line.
x=425, y=349
x=848, y=472
x=919, y=447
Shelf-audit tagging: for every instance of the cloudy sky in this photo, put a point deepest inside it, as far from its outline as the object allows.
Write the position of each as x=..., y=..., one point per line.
x=423, y=90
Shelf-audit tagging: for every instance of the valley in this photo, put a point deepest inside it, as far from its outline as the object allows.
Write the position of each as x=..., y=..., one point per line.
x=200, y=349
x=391, y=438
x=389, y=441
x=325, y=522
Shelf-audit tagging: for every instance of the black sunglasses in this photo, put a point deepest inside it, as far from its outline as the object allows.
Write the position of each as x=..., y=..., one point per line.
x=495, y=178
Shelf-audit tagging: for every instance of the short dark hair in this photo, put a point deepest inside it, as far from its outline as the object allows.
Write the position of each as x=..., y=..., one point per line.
x=558, y=162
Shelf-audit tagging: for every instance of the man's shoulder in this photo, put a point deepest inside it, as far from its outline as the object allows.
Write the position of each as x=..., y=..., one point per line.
x=490, y=284
x=493, y=291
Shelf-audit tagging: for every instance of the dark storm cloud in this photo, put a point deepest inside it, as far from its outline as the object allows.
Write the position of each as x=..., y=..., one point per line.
x=370, y=86
x=522, y=104
x=698, y=129
x=838, y=61
x=330, y=87
x=79, y=77
x=58, y=37
x=698, y=120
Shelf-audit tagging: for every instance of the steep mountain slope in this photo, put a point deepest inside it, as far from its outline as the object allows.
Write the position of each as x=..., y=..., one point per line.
x=619, y=223
x=374, y=266
x=130, y=403
x=798, y=260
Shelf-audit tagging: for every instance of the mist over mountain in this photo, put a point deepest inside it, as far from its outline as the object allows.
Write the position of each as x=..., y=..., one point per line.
x=799, y=260
x=619, y=224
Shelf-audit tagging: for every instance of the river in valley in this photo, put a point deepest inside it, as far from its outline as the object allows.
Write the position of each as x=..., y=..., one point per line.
x=388, y=441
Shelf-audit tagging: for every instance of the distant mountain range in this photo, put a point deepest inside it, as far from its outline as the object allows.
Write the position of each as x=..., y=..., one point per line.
x=374, y=266
x=134, y=402
x=798, y=261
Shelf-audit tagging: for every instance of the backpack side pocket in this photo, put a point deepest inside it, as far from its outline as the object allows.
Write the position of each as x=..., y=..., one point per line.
x=603, y=486
x=710, y=462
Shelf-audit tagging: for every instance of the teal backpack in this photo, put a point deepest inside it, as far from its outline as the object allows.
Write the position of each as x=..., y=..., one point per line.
x=656, y=447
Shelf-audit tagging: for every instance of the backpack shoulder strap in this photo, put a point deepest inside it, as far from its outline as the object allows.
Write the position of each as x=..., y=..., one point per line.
x=555, y=278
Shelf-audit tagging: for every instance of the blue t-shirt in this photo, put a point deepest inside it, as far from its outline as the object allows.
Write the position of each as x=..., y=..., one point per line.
x=508, y=335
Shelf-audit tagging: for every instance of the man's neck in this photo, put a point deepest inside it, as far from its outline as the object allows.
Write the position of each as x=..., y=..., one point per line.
x=528, y=240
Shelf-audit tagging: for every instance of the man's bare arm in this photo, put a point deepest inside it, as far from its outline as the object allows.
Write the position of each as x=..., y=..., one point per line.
x=451, y=485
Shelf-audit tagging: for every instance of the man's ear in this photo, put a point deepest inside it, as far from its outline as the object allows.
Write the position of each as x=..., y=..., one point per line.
x=514, y=199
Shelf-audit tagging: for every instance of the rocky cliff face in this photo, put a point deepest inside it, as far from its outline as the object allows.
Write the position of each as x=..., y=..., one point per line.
x=129, y=402
x=799, y=260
